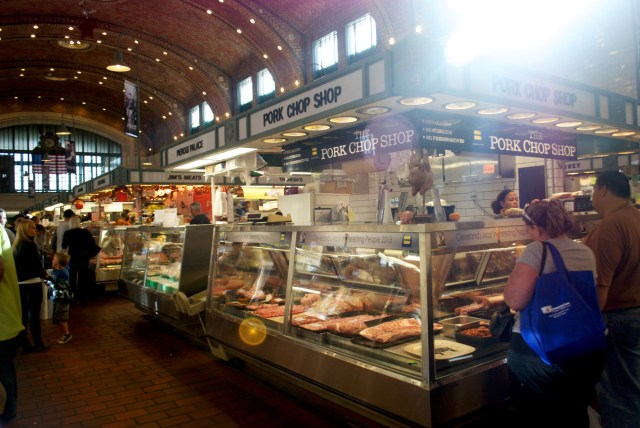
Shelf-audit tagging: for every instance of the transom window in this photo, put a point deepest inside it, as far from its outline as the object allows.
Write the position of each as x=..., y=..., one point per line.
x=325, y=54
x=194, y=117
x=266, y=85
x=245, y=93
x=361, y=36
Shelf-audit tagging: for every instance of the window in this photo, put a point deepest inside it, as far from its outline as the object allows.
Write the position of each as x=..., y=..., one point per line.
x=266, y=86
x=95, y=155
x=325, y=55
x=245, y=94
x=361, y=36
x=194, y=117
x=207, y=114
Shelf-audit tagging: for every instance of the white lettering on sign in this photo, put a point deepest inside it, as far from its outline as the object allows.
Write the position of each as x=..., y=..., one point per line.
x=531, y=147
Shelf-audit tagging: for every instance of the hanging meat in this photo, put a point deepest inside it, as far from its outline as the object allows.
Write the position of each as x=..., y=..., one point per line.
x=420, y=175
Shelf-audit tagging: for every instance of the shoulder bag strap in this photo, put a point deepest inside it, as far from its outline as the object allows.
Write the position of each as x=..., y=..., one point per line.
x=544, y=257
x=557, y=260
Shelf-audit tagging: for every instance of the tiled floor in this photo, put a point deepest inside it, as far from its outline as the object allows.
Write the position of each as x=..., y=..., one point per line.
x=123, y=370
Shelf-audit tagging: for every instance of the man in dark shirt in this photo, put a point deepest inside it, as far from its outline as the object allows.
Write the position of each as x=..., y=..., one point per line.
x=197, y=217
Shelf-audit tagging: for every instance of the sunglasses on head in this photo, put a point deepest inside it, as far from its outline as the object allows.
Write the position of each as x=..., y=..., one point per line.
x=526, y=217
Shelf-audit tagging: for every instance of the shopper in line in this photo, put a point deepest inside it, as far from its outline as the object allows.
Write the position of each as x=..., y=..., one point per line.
x=78, y=241
x=506, y=204
x=10, y=326
x=197, y=216
x=15, y=222
x=616, y=244
x=60, y=282
x=30, y=276
x=3, y=222
x=555, y=395
x=61, y=229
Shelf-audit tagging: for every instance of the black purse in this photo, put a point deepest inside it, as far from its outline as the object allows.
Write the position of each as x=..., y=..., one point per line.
x=502, y=320
x=501, y=324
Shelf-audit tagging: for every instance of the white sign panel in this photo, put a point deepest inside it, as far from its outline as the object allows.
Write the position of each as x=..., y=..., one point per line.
x=101, y=182
x=390, y=241
x=512, y=86
x=459, y=238
x=335, y=93
x=259, y=237
x=193, y=147
x=173, y=177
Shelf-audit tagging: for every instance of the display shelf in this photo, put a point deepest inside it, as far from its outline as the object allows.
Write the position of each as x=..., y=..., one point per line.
x=363, y=302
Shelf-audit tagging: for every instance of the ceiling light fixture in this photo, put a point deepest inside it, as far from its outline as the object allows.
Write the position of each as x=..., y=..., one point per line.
x=316, y=127
x=415, y=101
x=343, y=119
x=492, y=110
x=118, y=65
x=63, y=129
x=520, y=116
x=462, y=105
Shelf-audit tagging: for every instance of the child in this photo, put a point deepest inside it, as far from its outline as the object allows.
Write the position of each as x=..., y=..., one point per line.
x=62, y=294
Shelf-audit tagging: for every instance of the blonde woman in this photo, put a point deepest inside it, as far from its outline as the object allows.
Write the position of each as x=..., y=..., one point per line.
x=30, y=276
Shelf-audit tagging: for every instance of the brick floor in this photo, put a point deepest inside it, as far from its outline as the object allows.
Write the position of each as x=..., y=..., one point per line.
x=122, y=369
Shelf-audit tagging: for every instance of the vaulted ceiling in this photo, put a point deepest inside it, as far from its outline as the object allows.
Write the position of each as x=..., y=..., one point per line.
x=54, y=53
x=53, y=56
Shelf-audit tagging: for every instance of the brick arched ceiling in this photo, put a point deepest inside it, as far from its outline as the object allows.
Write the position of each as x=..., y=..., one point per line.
x=180, y=52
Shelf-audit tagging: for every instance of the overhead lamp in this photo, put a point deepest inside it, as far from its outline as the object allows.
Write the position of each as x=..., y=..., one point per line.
x=63, y=129
x=118, y=65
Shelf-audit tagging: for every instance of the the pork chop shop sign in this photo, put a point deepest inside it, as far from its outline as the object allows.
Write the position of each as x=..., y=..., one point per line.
x=361, y=142
x=533, y=145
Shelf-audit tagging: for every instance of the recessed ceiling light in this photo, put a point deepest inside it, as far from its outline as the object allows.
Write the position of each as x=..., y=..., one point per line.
x=373, y=110
x=569, y=124
x=274, y=140
x=462, y=105
x=589, y=127
x=623, y=134
x=294, y=134
x=543, y=120
x=607, y=131
x=519, y=116
x=343, y=119
x=493, y=110
x=316, y=127
x=415, y=101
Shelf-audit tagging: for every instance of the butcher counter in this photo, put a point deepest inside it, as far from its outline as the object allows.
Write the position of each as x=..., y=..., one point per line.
x=388, y=320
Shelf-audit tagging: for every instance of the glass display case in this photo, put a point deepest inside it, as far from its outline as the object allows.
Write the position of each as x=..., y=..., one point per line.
x=395, y=317
x=109, y=261
x=160, y=261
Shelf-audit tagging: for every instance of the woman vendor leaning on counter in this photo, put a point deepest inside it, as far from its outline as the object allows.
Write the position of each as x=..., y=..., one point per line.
x=507, y=204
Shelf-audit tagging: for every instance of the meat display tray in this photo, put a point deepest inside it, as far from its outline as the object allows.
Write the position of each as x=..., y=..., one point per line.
x=380, y=345
x=477, y=341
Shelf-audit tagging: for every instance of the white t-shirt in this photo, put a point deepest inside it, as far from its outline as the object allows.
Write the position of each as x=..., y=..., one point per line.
x=60, y=230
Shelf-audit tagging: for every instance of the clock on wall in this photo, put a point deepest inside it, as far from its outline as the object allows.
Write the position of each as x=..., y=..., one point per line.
x=49, y=141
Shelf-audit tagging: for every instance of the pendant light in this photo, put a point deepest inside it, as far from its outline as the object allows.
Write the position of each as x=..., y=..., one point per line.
x=63, y=129
x=118, y=65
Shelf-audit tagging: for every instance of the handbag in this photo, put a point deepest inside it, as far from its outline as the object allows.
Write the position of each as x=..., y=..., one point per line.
x=501, y=324
x=502, y=320
x=563, y=319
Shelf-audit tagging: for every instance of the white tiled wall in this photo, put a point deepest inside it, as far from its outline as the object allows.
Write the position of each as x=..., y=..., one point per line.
x=459, y=194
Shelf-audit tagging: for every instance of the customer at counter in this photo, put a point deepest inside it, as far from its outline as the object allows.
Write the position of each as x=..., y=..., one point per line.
x=197, y=216
x=558, y=394
x=616, y=244
x=507, y=204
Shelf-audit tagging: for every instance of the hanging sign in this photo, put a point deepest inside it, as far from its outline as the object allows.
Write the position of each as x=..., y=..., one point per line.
x=476, y=135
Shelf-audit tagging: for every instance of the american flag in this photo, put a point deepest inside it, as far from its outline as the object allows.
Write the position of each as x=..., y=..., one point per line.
x=55, y=164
